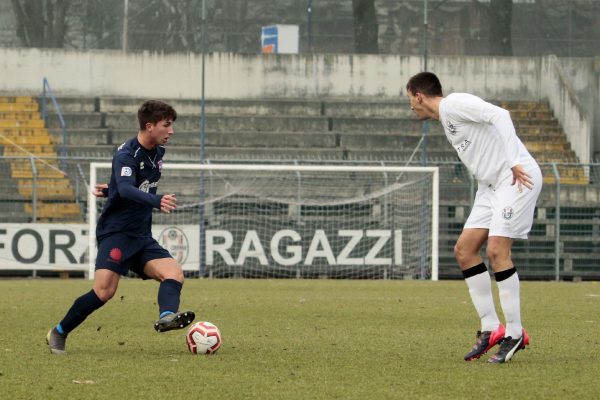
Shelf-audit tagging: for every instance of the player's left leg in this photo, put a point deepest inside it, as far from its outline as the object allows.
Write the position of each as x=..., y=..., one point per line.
x=170, y=275
x=512, y=219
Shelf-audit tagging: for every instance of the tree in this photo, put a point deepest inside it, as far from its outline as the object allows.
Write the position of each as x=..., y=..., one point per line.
x=365, y=26
x=500, y=27
x=41, y=23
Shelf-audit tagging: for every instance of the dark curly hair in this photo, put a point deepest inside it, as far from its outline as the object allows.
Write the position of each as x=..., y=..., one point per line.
x=154, y=111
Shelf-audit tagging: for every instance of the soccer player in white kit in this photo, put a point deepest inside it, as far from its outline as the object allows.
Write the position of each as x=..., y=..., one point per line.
x=509, y=183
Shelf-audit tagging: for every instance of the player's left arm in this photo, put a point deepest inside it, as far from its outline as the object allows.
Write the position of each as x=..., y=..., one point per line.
x=500, y=119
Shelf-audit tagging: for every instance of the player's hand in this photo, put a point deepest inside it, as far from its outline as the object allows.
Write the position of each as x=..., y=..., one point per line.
x=98, y=190
x=521, y=178
x=168, y=203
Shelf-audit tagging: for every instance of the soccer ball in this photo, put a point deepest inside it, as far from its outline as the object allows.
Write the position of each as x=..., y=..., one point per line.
x=203, y=338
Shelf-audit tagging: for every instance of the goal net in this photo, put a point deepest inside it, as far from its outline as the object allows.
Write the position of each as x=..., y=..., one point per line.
x=291, y=221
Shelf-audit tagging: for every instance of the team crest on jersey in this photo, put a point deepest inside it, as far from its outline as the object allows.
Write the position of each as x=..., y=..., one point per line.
x=451, y=128
x=507, y=213
x=126, y=171
x=160, y=163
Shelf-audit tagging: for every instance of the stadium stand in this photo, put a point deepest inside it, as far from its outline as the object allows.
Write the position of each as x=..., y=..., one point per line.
x=23, y=133
x=321, y=130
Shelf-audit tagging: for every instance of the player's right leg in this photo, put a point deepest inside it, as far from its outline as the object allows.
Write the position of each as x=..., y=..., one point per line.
x=113, y=256
x=478, y=281
x=105, y=286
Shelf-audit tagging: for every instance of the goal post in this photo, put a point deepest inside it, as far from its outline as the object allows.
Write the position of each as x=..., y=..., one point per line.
x=294, y=221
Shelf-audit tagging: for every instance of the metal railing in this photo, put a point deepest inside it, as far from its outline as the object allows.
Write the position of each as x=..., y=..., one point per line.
x=48, y=93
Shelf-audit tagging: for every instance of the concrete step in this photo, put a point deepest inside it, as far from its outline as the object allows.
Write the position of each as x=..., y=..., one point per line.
x=535, y=123
x=47, y=193
x=252, y=107
x=228, y=123
x=546, y=146
x=372, y=141
x=20, y=115
x=539, y=130
x=56, y=211
x=22, y=169
x=78, y=120
x=382, y=125
x=72, y=105
x=36, y=150
x=532, y=114
x=368, y=109
x=186, y=153
x=18, y=107
x=7, y=140
x=17, y=99
x=524, y=105
x=22, y=131
x=8, y=123
x=566, y=156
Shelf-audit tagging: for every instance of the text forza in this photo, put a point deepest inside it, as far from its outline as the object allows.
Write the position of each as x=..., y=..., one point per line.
x=287, y=249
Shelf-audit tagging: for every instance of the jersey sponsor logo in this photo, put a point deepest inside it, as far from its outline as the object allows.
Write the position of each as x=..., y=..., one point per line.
x=126, y=171
x=463, y=146
x=141, y=165
x=451, y=128
x=147, y=185
x=507, y=213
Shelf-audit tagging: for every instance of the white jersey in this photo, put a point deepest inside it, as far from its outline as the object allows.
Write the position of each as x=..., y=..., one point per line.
x=484, y=137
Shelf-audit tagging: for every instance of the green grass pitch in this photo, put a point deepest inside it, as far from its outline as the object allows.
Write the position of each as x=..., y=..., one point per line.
x=298, y=339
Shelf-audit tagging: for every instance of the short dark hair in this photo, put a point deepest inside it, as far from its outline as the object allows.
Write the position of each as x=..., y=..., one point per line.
x=154, y=111
x=426, y=83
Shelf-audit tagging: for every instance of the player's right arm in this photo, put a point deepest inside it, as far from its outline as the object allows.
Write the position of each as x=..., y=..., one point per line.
x=100, y=190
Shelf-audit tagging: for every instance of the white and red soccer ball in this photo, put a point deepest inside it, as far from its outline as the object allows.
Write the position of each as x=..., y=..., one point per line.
x=203, y=338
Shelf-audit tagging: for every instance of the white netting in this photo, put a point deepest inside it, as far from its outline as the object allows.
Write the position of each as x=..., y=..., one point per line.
x=299, y=221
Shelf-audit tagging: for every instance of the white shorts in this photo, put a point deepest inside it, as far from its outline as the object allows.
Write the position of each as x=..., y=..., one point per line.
x=505, y=211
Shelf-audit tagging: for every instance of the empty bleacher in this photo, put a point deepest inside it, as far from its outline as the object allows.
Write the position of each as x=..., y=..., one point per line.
x=332, y=130
x=23, y=134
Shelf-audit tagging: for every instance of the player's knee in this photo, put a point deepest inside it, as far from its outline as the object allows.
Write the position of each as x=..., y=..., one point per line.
x=105, y=294
x=496, y=253
x=460, y=253
x=172, y=273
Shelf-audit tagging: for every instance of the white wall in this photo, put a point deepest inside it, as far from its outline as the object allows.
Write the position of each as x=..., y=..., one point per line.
x=113, y=73
x=144, y=74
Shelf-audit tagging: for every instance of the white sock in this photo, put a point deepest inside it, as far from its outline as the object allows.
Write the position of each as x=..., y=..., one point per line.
x=480, y=289
x=511, y=304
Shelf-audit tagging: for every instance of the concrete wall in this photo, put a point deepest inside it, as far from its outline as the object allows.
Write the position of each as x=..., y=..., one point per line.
x=237, y=76
x=103, y=73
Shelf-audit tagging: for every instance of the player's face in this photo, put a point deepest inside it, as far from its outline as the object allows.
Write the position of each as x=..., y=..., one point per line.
x=161, y=132
x=416, y=104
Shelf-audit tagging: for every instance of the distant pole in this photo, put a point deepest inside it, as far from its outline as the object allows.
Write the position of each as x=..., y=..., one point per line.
x=202, y=111
x=124, y=43
x=425, y=35
x=201, y=209
x=424, y=265
x=309, y=29
x=425, y=125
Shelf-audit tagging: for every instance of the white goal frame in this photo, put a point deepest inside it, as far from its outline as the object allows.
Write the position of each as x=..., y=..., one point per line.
x=93, y=214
